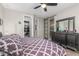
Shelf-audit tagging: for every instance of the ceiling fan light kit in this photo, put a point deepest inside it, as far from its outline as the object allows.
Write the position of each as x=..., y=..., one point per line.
x=43, y=5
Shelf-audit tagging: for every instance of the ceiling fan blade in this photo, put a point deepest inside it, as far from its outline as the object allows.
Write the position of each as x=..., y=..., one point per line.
x=51, y=4
x=37, y=7
x=45, y=9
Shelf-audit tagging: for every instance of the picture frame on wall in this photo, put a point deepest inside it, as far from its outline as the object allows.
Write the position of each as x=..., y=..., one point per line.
x=1, y=21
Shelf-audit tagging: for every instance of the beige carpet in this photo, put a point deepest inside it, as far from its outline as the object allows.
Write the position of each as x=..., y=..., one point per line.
x=72, y=53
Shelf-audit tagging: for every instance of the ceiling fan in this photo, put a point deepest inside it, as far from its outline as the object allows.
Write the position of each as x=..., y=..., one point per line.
x=44, y=5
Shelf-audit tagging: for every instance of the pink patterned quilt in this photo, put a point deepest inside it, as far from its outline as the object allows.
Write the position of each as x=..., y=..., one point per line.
x=42, y=47
x=31, y=46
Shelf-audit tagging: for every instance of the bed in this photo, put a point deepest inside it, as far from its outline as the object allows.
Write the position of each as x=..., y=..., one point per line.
x=15, y=45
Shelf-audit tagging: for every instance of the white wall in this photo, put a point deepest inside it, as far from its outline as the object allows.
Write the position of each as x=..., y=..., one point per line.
x=2, y=17
x=11, y=18
x=11, y=24
x=69, y=12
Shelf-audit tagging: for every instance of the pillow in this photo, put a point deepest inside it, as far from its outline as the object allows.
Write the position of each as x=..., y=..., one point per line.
x=16, y=36
x=11, y=47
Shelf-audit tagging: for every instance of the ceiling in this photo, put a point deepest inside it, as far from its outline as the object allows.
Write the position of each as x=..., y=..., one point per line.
x=28, y=8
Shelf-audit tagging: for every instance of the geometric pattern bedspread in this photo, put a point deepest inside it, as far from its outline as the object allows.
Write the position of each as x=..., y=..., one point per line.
x=42, y=47
x=32, y=46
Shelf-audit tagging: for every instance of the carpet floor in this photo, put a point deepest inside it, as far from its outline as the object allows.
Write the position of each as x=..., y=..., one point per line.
x=72, y=53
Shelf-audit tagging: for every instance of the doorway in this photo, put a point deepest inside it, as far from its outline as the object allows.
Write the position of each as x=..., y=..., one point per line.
x=26, y=28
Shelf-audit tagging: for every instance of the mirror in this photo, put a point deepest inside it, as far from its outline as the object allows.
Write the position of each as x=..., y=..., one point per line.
x=66, y=25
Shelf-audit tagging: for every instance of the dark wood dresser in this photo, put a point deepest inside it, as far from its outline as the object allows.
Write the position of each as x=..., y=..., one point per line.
x=66, y=39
